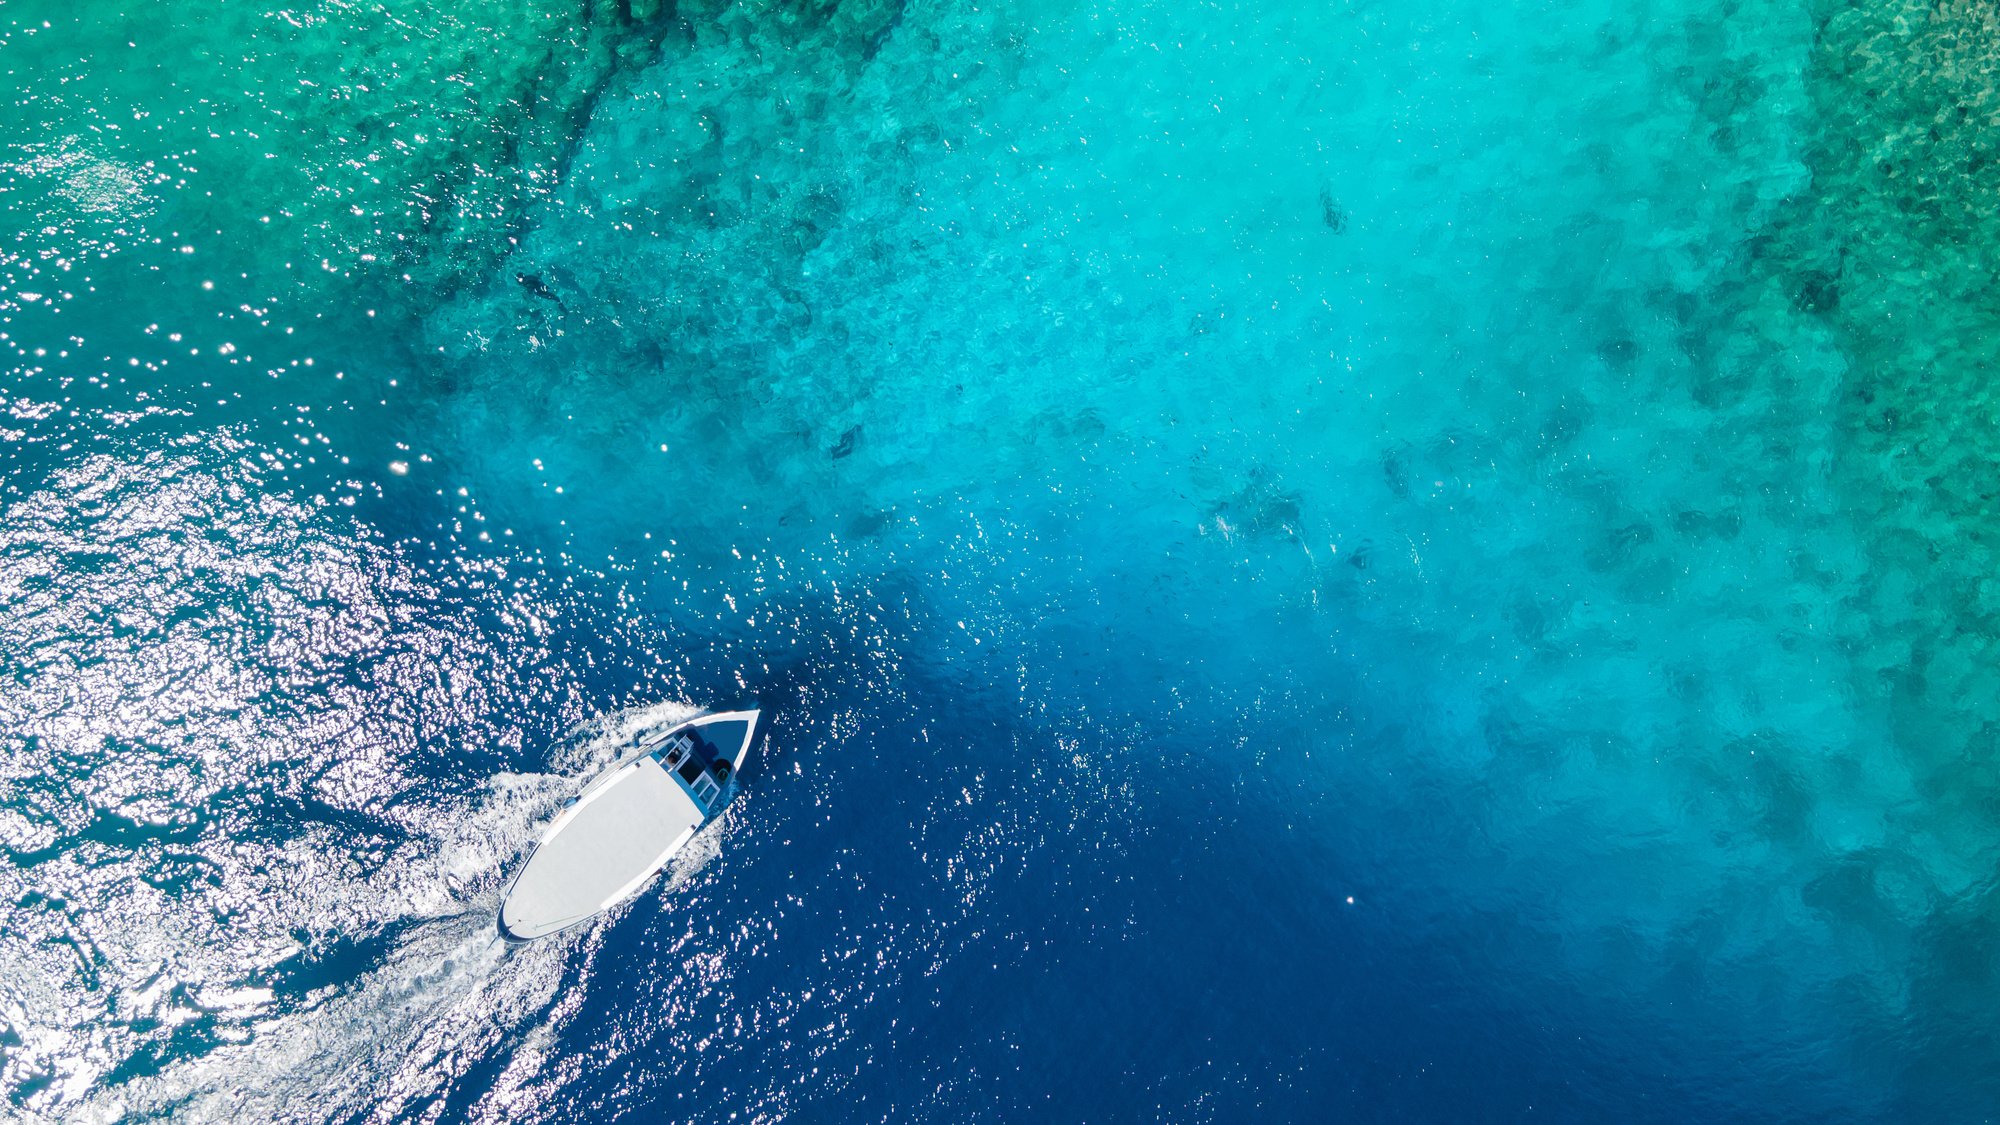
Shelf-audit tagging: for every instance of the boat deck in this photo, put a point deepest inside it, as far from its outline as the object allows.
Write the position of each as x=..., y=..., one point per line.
x=587, y=861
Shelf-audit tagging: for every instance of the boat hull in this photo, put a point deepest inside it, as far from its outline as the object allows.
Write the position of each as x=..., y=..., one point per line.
x=626, y=825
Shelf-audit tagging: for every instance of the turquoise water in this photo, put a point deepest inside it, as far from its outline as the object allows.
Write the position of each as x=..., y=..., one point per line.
x=1364, y=562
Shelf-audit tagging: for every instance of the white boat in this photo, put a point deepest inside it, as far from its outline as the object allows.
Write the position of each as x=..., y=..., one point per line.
x=627, y=824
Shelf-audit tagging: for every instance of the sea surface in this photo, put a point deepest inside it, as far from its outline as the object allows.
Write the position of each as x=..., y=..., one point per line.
x=1356, y=561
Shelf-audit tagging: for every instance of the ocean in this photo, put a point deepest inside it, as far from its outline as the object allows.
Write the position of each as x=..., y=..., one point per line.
x=1333, y=562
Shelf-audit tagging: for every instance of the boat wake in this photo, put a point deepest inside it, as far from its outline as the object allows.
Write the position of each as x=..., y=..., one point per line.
x=448, y=999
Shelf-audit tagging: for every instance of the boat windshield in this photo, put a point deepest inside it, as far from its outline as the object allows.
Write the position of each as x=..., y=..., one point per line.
x=689, y=756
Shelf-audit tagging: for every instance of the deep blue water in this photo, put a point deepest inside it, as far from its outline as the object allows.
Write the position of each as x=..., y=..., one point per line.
x=1309, y=563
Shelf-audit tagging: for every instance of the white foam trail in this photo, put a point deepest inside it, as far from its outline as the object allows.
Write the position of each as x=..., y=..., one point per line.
x=448, y=996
